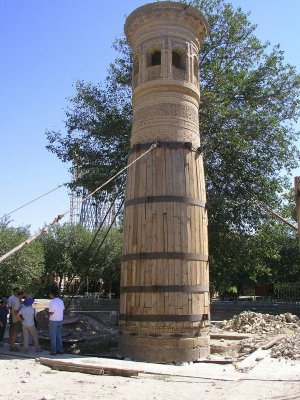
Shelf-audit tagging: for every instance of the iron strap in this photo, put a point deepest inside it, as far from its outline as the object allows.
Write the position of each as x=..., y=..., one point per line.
x=166, y=145
x=164, y=318
x=163, y=256
x=165, y=199
x=165, y=289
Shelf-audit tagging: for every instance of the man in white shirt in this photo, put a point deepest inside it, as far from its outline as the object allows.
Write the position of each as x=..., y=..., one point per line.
x=56, y=316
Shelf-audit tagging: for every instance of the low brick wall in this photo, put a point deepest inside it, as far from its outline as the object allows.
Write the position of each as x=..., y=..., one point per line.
x=220, y=310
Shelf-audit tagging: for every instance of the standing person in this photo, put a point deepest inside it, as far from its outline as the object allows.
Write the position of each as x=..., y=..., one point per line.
x=56, y=316
x=3, y=319
x=13, y=296
x=16, y=326
x=22, y=305
x=10, y=300
x=27, y=318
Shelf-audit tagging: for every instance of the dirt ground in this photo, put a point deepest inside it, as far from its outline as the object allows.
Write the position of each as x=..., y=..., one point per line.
x=253, y=374
x=25, y=378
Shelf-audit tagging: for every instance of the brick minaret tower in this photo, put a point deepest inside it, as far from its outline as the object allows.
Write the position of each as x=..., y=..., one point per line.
x=164, y=308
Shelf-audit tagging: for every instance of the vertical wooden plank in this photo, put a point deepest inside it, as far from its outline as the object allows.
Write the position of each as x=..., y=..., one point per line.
x=166, y=227
x=169, y=171
x=187, y=172
x=138, y=272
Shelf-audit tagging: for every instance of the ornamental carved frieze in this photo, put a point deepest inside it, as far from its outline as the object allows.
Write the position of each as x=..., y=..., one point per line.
x=179, y=43
x=169, y=109
x=152, y=43
x=138, y=51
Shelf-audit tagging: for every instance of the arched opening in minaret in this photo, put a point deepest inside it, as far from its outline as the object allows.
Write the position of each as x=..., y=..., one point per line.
x=179, y=61
x=154, y=63
x=154, y=56
x=179, y=58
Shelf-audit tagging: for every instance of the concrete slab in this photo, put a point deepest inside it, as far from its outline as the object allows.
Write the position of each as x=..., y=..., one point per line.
x=253, y=359
x=271, y=369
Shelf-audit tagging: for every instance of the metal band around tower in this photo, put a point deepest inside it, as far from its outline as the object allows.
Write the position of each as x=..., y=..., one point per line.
x=166, y=145
x=165, y=289
x=164, y=318
x=165, y=199
x=163, y=256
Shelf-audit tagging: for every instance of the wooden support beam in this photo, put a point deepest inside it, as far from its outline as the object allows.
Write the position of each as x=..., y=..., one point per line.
x=272, y=342
x=228, y=336
x=66, y=365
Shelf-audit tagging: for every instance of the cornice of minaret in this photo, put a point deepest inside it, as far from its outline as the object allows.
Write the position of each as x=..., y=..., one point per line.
x=166, y=14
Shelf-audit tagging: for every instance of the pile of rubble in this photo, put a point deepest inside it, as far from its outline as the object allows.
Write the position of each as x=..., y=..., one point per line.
x=287, y=347
x=257, y=330
x=81, y=333
x=264, y=324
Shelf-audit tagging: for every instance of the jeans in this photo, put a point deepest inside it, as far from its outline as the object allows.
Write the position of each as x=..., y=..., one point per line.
x=55, y=328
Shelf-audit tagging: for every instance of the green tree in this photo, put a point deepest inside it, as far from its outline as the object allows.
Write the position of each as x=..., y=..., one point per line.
x=249, y=103
x=24, y=268
x=280, y=252
x=107, y=261
x=66, y=252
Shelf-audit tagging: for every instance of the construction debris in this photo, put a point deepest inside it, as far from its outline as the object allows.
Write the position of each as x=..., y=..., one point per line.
x=82, y=333
x=236, y=338
x=281, y=333
x=263, y=324
x=287, y=347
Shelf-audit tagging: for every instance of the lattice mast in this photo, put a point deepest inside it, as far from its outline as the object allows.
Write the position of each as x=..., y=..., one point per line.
x=93, y=212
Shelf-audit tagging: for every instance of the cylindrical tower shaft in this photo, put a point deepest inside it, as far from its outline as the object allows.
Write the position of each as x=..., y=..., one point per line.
x=164, y=308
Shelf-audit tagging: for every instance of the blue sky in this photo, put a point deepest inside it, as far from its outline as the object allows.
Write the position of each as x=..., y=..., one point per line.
x=46, y=45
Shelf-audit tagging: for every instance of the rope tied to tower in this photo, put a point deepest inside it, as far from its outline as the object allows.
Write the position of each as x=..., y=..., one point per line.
x=149, y=147
x=60, y=216
x=33, y=200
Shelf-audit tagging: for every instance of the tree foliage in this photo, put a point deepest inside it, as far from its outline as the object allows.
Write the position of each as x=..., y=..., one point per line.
x=268, y=256
x=249, y=103
x=107, y=264
x=73, y=251
x=65, y=247
x=24, y=268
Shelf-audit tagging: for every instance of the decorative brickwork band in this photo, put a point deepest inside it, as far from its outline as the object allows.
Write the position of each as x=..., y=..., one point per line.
x=168, y=109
